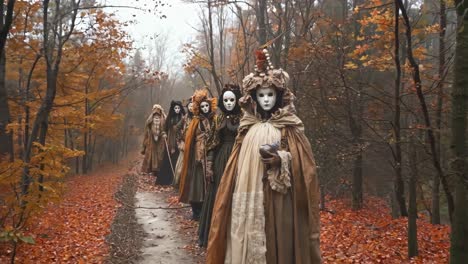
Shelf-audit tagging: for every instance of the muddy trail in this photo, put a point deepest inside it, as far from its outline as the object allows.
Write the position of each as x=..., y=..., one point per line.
x=151, y=226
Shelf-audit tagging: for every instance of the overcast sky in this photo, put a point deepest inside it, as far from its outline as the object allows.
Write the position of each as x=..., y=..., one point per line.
x=178, y=24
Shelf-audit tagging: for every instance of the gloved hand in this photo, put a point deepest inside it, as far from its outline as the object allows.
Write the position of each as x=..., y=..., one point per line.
x=269, y=154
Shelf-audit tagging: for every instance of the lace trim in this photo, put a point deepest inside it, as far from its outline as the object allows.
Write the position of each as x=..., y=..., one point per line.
x=248, y=214
x=280, y=178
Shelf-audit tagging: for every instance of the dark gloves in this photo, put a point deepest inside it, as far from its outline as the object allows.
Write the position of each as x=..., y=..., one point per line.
x=269, y=154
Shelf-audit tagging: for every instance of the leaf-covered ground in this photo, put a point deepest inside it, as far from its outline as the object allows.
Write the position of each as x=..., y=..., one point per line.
x=74, y=230
x=372, y=236
x=366, y=236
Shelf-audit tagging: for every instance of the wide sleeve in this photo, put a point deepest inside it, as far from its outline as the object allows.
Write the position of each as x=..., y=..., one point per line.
x=306, y=194
x=214, y=137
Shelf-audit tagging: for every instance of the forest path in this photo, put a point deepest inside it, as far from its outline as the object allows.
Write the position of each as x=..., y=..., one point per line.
x=163, y=243
x=169, y=233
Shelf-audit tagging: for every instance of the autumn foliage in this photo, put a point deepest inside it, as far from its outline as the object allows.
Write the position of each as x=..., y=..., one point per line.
x=85, y=114
x=366, y=126
x=73, y=230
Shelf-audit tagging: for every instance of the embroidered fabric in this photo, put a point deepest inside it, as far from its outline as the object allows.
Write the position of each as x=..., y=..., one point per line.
x=247, y=209
x=280, y=178
x=246, y=235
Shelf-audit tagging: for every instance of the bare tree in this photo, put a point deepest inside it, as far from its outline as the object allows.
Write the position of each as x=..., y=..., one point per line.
x=422, y=101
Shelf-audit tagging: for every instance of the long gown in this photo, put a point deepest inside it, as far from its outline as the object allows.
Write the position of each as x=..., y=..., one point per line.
x=226, y=132
x=192, y=186
x=181, y=132
x=166, y=174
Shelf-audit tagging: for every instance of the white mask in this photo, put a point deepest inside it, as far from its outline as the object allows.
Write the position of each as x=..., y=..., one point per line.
x=177, y=109
x=190, y=107
x=205, y=107
x=229, y=100
x=266, y=97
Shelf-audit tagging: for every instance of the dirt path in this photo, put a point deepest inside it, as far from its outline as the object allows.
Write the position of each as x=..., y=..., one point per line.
x=163, y=243
x=142, y=232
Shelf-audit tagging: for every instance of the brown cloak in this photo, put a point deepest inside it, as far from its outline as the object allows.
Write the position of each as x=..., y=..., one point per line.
x=153, y=150
x=294, y=230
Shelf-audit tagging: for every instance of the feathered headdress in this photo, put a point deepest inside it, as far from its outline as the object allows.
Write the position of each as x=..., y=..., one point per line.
x=198, y=97
x=265, y=75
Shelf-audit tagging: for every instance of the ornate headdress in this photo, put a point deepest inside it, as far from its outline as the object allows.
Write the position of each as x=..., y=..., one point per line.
x=198, y=97
x=265, y=75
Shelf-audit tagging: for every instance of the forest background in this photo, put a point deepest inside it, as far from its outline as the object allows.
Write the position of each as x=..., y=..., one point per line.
x=379, y=85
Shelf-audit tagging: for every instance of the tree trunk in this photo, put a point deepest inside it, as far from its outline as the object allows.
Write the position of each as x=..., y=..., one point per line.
x=6, y=147
x=92, y=151
x=413, y=207
x=395, y=208
x=211, y=50
x=435, y=214
x=357, y=182
x=459, y=239
x=39, y=128
x=84, y=159
x=323, y=202
x=261, y=21
x=355, y=126
x=399, y=183
x=422, y=101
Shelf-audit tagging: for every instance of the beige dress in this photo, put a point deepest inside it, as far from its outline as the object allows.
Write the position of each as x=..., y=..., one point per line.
x=246, y=241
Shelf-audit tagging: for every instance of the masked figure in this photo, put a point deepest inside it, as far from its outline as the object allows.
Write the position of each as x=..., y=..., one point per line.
x=197, y=144
x=181, y=129
x=266, y=208
x=153, y=143
x=226, y=125
x=171, y=150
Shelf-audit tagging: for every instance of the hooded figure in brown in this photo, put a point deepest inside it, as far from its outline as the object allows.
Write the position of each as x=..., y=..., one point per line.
x=153, y=143
x=267, y=204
